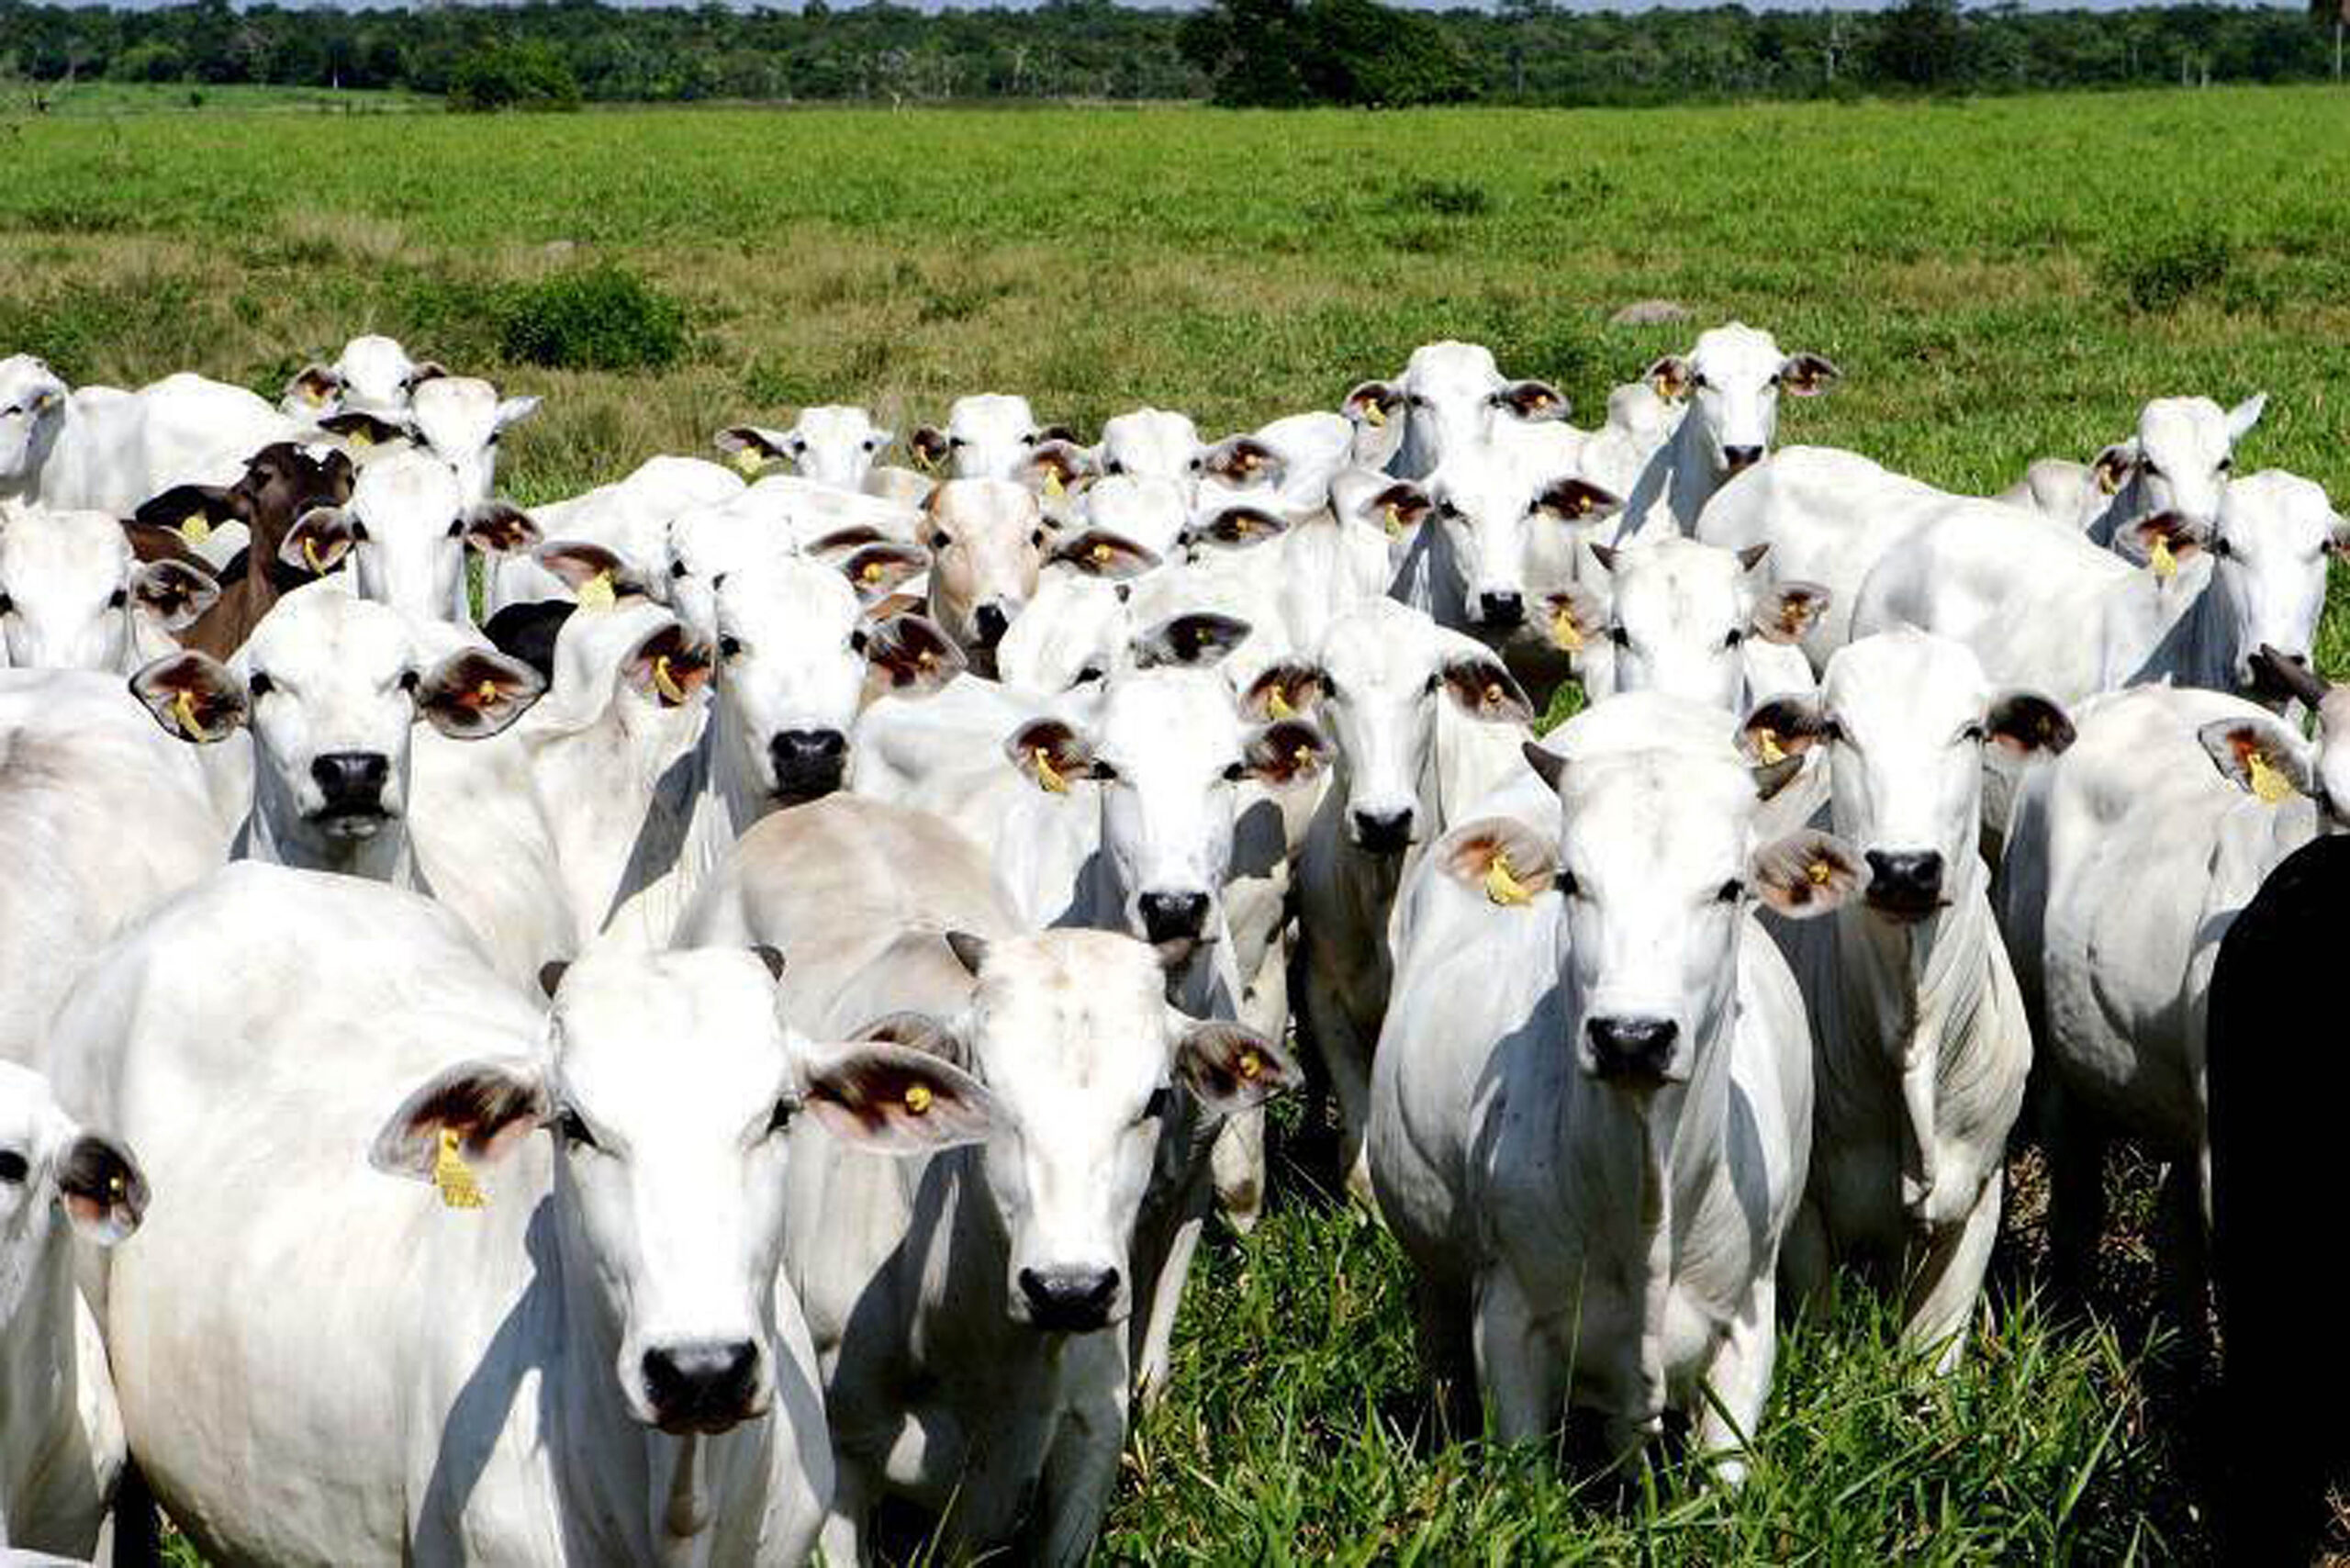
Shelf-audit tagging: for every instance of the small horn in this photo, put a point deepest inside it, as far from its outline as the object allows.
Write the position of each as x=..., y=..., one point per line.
x=2293, y=676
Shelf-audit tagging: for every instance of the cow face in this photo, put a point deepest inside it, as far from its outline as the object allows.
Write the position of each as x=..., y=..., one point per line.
x=1448, y=401
x=2275, y=535
x=406, y=527
x=374, y=374
x=1733, y=380
x=74, y=597
x=1510, y=531
x=459, y=419
x=989, y=435
x=1150, y=443
x=988, y=541
x=1680, y=615
x=833, y=443
x=32, y=410
x=2180, y=459
x=668, y=1166
x=53, y=1171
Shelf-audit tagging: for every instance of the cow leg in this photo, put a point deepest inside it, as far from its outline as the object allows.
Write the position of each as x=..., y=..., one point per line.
x=1740, y=1381
x=2184, y=1261
x=1806, y=1260
x=1519, y=1372
x=1238, y=1163
x=1448, y=1353
x=2075, y=1197
x=1154, y=1350
x=1950, y=1281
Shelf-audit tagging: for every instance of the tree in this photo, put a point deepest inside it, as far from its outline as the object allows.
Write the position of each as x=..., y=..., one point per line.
x=1917, y=42
x=527, y=76
x=2338, y=13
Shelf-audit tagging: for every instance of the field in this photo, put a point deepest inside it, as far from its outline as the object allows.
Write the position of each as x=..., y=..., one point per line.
x=1999, y=281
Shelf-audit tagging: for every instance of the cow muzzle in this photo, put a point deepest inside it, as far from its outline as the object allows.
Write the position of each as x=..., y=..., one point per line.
x=1635, y=1052
x=808, y=763
x=1501, y=609
x=1173, y=917
x=351, y=790
x=1381, y=832
x=702, y=1385
x=1906, y=885
x=1738, y=459
x=1069, y=1301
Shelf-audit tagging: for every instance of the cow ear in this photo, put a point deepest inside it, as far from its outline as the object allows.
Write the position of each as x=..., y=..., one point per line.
x=1482, y=688
x=1373, y=403
x=2245, y=415
x=1049, y=755
x=426, y=370
x=481, y=1107
x=1781, y=728
x=551, y=975
x=174, y=592
x=1576, y=500
x=2261, y=756
x=2025, y=721
x=919, y=1032
x=319, y=539
x=1399, y=508
x=1532, y=400
x=193, y=511
x=1575, y=616
x=888, y=1099
x=1547, y=765
x=315, y=384
x=1055, y=466
x=1789, y=610
x=1238, y=527
x=1806, y=874
x=1500, y=857
x=930, y=445
x=1101, y=552
x=668, y=666
x=193, y=696
x=1670, y=376
x=1230, y=1067
x=914, y=653
x=597, y=575
x=474, y=693
x=875, y=570
x=751, y=446
x=1807, y=375
x=1198, y=639
x=2112, y=467
x=495, y=528
x=105, y=1191
x=513, y=411
x=359, y=432
x=1283, y=689
x=1244, y=460
x=1286, y=752
x=2163, y=542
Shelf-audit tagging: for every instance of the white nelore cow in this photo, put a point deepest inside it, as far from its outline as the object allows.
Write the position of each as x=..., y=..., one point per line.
x=1450, y=398
x=410, y=528
x=32, y=412
x=2179, y=461
x=2128, y=860
x=60, y=1434
x=989, y=435
x=629, y=517
x=1591, y=1111
x=73, y=595
x=574, y=1351
x=108, y=450
x=830, y=444
x=1692, y=620
x=1919, y=1040
x=374, y=374
x=967, y=1311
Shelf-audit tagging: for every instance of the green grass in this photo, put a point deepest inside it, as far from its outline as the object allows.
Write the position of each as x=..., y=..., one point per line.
x=2000, y=281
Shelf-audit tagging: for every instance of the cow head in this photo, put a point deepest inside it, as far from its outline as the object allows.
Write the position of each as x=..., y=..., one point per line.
x=460, y=420
x=74, y=597
x=988, y=541
x=2180, y=459
x=32, y=410
x=1498, y=519
x=831, y=443
x=408, y=527
x=989, y=435
x=374, y=374
x=2275, y=535
x=57, y=1180
x=1733, y=380
x=1679, y=618
x=1448, y=399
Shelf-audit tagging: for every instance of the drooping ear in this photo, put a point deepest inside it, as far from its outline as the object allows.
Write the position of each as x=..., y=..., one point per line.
x=919, y=1032
x=2261, y=756
x=1197, y=639
x=2112, y=467
x=751, y=447
x=319, y=539
x=1575, y=617
x=1783, y=727
x=1789, y=610
x=913, y=653
x=1373, y=403
x=490, y=1103
x=1050, y=754
x=495, y=528
x=193, y=511
x=1532, y=400
x=1244, y=460
x=1101, y=552
x=424, y=371
x=930, y=445
x=1807, y=375
x=1400, y=506
x=174, y=592
x=1806, y=874
x=315, y=383
x=105, y=1191
x=875, y=570
x=1286, y=752
x=1230, y=1067
x=2025, y=721
x=892, y=1099
x=2245, y=415
x=2163, y=542
x=1547, y=765
x=193, y=696
x=1576, y=500
x=1055, y=466
x=474, y=693
x=1284, y=690
x=1670, y=376
x=1501, y=857
x=1482, y=688
x=513, y=411
x=668, y=666
x=1238, y=527
x=970, y=950
x=1753, y=556
x=597, y=575
x=551, y=975
x=359, y=432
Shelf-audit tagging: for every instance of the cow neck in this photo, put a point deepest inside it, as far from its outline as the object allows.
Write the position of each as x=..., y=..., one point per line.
x=40, y=1375
x=2152, y=630
x=388, y=856
x=1678, y=475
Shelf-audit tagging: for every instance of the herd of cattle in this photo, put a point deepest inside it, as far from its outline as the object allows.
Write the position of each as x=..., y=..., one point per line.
x=823, y=956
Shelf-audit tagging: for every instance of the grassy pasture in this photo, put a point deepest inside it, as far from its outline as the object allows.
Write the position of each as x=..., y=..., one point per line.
x=1998, y=280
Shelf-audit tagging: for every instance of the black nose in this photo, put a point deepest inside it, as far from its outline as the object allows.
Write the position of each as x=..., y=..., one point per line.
x=808, y=763
x=1632, y=1047
x=352, y=780
x=704, y=1385
x=1905, y=882
x=992, y=624
x=1501, y=609
x=1069, y=1300
x=1174, y=917
x=1742, y=457
x=1383, y=833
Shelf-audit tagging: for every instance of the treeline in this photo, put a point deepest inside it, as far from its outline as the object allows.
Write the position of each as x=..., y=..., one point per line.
x=1239, y=51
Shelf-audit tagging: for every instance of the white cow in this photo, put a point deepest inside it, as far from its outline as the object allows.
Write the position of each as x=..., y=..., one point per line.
x=72, y=595
x=2179, y=461
x=60, y=1434
x=1689, y=619
x=459, y=419
x=989, y=435
x=574, y=1351
x=1450, y=396
x=830, y=444
x=988, y=540
x=410, y=528
x=1591, y=1103
x=32, y=412
x=374, y=374
x=629, y=517
x=1919, y=1038
x=111, y=449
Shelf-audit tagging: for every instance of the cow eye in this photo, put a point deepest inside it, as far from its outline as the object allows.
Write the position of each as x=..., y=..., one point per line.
x=1114, y=466
x=1972, y=733
x=1736, y=635
x=1567, y=885
x=2222, y=547
x=1091, y=672
x=1235, y=773
x=678, y=570
x=957, y=441
x=1618, y=636
x=1037, y=538
x=1197, y=464
x=781, y=1116
x=2227, y=465
x=1415, y=400
x=1700, y=382
x=15, y=1167
x=1731, y=892
x=6, y=604
x=729, y=646
x=1101, y=772
x=939, y=541
x=572, y=1131
x=258, y=684
x=2146, y=466
x=118, y=599
x=11, y=411
x=1156, y=1106
x=456, y=527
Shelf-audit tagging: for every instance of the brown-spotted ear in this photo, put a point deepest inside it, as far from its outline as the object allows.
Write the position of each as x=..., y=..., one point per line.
x=913, y=653
x=1532, y=400
x=496, y=527
x=1050, y=754
x=1286, y=752
x=930, y=445
x=1284, y=690
x=1783, y=727
x=1547, y=765
x=1670, y=377
x=319, y=539
x=174, y=592
x=489, y=1105
x=474, y=693
x=1576, y=500
x=1373, y=403
x=875, y=570
x=1198, y=638
x=551, y=975
x=105, y=1191
x=424, y=371
x=1244, y=460
x=1399, y=508
x=1789, y=611
x=2262, y=756
x=1502, y=857
x=193, y=696
x=918, y=1032
x=2163, y=542
x=1575, y=617
x=359, y=431
x=315, y=383
x=970, y=950
x=890, y=1099
x=830, y=547
x=668, y=665
x=1230, y=1067
x=2112, y=467
x=1483, y=688
x=2025, y=721
x=1104, y=554
x=1055, y=466
x=597, y=575
x=1807, y=375
x=1238, y=527
x=1806, y=874
x=193, y=511
x=753, y=448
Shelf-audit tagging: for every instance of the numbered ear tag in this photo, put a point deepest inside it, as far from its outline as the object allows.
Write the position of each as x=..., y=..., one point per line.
x=2165, y=564
x=597, y=593
x=2269, y=783
x=183, y=714
x=748, y=460
x=1047, y=774
x=196, y=529
x=1767, y=748
x=1277, y=706
x=1502, y=886
x=1565, y=631
x=454, y=1177
x=666, y=684
x=1373, y=415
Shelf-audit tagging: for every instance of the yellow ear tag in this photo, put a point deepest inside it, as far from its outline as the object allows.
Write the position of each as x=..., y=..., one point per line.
x=1053, y=486
x=2165, y=564
x=1277, y=706
x=665, y=683
x=596, y=593
x=749, y=460
x=1766, y=746
x=1819, y=871
x=1502, y=885
x=1047, y=774
x=1394, y=522
x=115, y=1184
x=1103, y=554
x=1373, y=415
x=454, y=1177
x=2269, y=784
x=486, y=693
x=310, y=553
x=183, y=714
x=196, y=529
x=917, y=1099
x=872, y=572
x=1303, y=757
x=1493, y=694
x=313, y=396
x=1565, y=631
x=1250, y=1065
